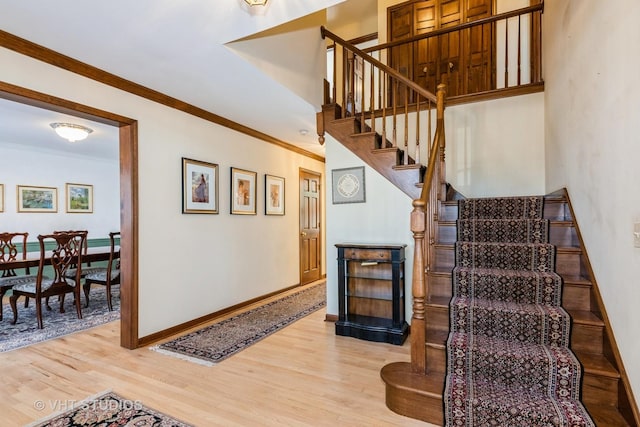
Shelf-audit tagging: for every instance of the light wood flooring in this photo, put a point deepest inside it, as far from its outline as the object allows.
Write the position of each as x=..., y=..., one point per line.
x=303, y=375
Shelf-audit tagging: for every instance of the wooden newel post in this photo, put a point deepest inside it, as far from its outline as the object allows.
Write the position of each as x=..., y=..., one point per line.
x=419, y=291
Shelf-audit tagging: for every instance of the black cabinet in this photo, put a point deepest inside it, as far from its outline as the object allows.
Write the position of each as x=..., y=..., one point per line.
x=371, y=292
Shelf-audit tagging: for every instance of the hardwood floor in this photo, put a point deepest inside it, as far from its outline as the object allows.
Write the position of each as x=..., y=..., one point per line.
x=301, y=375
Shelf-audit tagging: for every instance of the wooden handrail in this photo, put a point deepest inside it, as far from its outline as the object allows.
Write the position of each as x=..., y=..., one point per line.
x=464, y=26
x=390, y=71
x=424, y=212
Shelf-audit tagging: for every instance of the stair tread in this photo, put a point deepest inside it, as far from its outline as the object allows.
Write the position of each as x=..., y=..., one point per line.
x=576, y=280
x=362, y=134
x=400, y=374
x=597, y=364
x=404, y=167
x=585, y=317
x=439, y=301
x=606, y=415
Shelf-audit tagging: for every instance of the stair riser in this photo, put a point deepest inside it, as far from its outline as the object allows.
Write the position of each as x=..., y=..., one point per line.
x=448, y=212
x=556, y=210
x=569, y=264
x=576, y=297
x=587, y=338
x=599, y=390
x=563, y=235
x=447, y=233
x=440, y=285
x=436, y=359
x=437, y=319
x=445, y=258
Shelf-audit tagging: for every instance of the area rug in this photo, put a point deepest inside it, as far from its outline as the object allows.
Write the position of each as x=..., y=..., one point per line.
x=214, y=343
x=508, y=356
x=25, y=332
x=108, y=409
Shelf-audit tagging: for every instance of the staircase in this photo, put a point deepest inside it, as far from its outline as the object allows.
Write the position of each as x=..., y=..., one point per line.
x=508, y=360
x=416, y=389
x=380, y=154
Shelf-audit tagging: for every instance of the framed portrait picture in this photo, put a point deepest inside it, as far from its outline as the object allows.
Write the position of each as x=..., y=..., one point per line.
x=199, y=187
x=79, y=198
x=37, y=199
x=1, y=197
x=273, y=195
x=348, y=185
x=243, y=192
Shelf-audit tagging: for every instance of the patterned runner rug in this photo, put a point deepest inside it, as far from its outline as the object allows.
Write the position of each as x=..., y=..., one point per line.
x=508, y=357
x=25, y=332
x=109, y=409
x=214, y=343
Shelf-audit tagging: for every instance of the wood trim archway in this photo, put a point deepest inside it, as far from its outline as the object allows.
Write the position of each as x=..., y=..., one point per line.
x=128, y=194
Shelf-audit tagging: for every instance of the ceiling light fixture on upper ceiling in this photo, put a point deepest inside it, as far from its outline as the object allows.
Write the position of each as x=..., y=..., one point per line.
x=71, y=132
x=256, y=2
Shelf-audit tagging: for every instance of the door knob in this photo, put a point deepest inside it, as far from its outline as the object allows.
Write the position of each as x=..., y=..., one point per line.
x=303, y=234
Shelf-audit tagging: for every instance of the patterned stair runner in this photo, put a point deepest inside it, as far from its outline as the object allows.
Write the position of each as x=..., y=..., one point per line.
x=508, y=356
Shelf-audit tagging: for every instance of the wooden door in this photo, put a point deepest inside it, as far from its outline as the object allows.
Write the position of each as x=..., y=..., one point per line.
x=400, y=22
x=310, y=243
x=462, y=59
x=479, y=52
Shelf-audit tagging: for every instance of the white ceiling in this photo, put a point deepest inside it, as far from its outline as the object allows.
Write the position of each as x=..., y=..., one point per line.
x=180, y=48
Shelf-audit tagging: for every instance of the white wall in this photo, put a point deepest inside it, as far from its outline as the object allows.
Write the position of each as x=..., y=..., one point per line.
x=41, y=169
x=496, y=148
x=383, y=218
x=592, y=128
x=189, y=265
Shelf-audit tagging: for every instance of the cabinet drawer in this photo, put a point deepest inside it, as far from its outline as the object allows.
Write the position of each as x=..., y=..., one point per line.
x=369, y=254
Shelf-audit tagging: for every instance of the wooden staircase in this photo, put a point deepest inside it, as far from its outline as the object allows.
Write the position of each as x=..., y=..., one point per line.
x=373, y=149
x=605, y=394
x=415, y=389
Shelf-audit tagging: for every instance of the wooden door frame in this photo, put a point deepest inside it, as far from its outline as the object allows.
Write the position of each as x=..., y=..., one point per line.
x=128, y=144
x=320, y=217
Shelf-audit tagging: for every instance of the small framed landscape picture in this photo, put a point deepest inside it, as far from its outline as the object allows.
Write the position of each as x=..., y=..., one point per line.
x=348, y=185
x=243, y=192
x=1, y=197
x=37, y=199
x=273, y=195
x=199, y=187
x=79, y=198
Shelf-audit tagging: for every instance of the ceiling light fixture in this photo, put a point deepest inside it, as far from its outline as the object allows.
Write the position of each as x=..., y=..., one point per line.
x=256, y=2
x=71, y=132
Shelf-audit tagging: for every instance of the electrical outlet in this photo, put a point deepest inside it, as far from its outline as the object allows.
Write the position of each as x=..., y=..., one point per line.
x=636, y=234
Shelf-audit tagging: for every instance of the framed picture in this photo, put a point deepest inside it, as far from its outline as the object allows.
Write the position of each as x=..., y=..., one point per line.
x=1, y=197
x=79, y=198
x=348, y=185
x=37, y=199
x=199, y=187
x=273, y=195
x=243, y=192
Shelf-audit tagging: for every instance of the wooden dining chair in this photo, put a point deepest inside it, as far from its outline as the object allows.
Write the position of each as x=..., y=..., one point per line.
x=107, y=278
x=9, y=251
x=67, y=251
x=87, y=268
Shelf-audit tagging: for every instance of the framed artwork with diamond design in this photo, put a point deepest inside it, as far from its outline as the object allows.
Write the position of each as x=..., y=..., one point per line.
x=348, y=185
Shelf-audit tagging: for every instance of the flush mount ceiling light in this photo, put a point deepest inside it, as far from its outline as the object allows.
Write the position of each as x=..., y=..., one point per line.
x=255, y=7
x=256, y=2
x=71, y=132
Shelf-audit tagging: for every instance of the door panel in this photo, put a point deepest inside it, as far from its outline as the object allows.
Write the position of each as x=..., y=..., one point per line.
x=310, y=243
x=464, y=60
